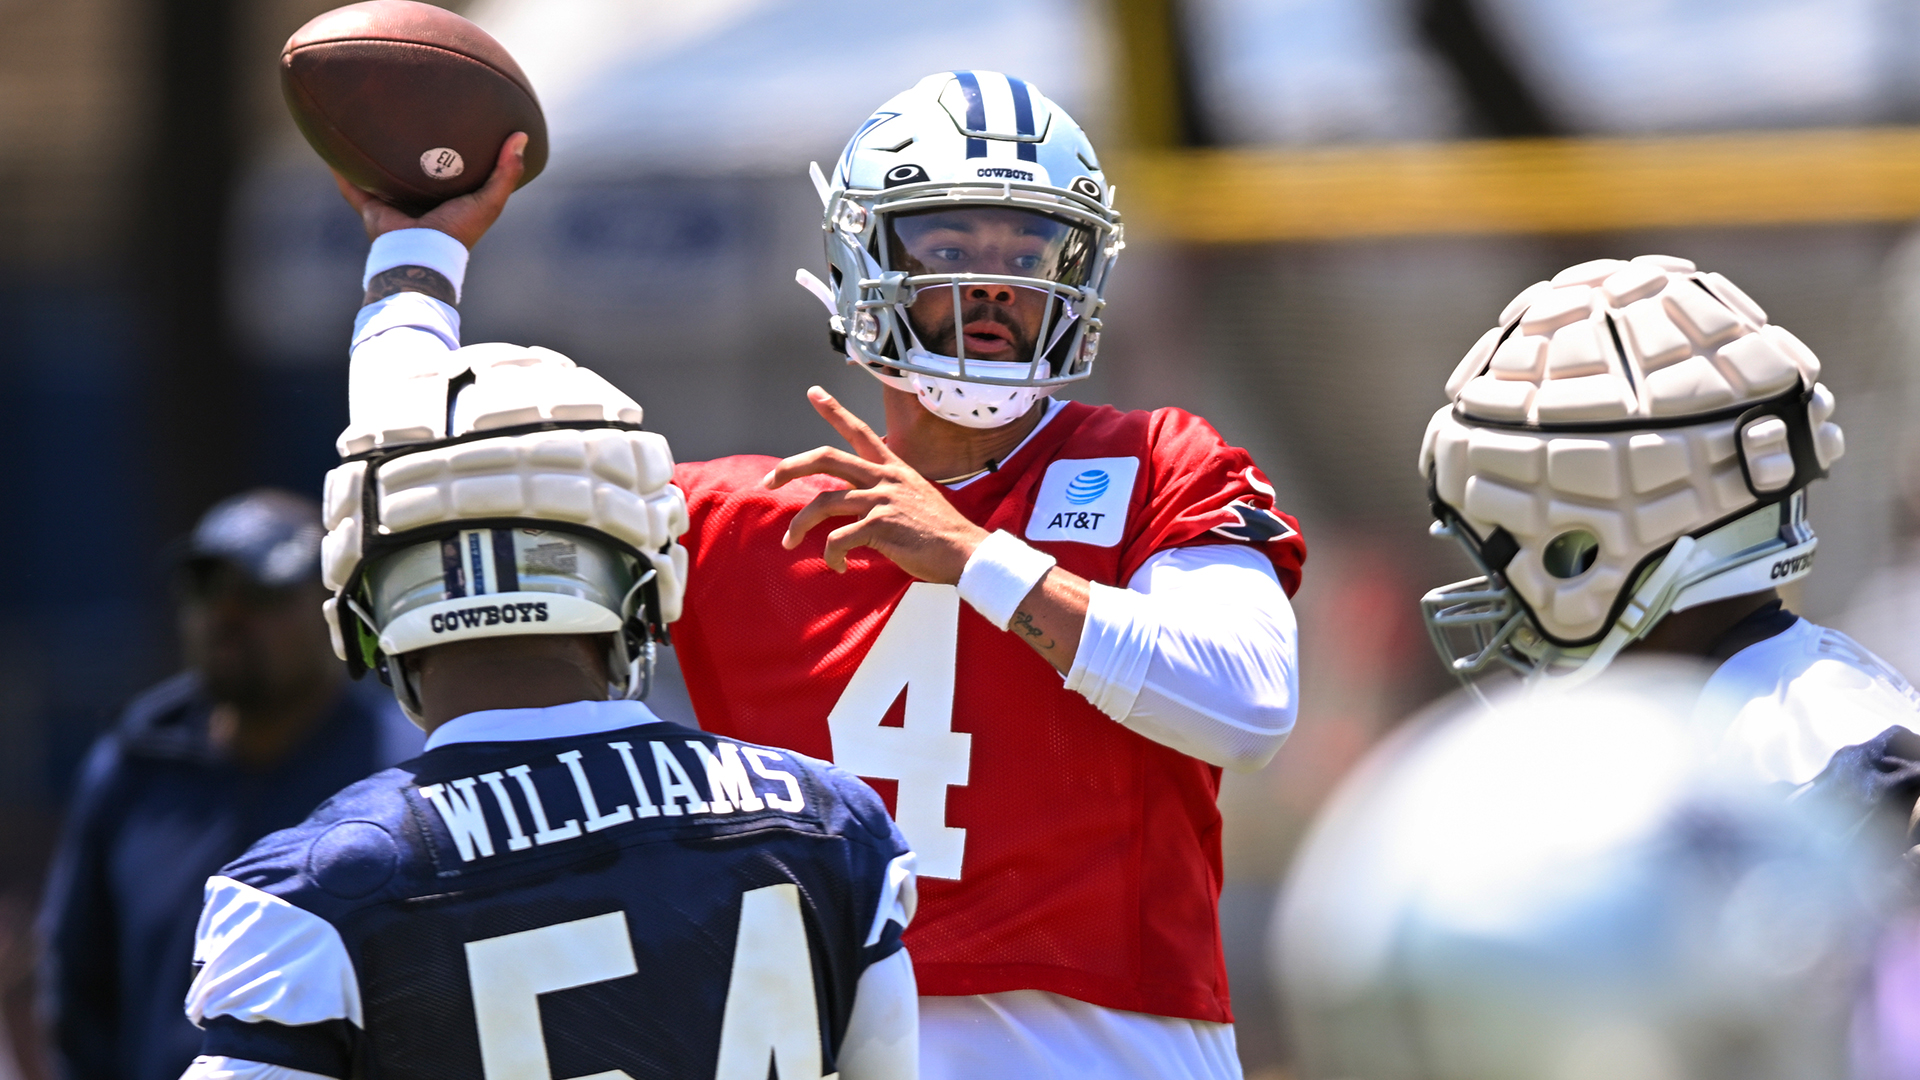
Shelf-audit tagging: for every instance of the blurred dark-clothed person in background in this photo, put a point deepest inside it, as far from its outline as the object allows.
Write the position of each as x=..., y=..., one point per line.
x=259, y=729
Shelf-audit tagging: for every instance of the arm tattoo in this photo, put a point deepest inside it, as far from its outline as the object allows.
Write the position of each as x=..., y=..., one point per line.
x=409, y=279
x=1023, y=624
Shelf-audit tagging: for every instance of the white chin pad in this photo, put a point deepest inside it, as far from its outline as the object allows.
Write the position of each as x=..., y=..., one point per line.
x=975, y=405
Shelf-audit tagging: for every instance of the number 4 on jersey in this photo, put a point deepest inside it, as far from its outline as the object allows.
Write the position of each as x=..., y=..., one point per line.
x=917, y=650
x=772, y=1021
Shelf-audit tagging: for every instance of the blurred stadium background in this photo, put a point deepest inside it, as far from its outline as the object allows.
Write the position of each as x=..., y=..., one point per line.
x=1327, y=201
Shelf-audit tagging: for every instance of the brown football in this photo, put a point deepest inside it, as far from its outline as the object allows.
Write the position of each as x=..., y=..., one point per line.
x=408, y=101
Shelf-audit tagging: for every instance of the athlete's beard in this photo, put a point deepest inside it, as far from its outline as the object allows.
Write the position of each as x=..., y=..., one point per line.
x=945, y=340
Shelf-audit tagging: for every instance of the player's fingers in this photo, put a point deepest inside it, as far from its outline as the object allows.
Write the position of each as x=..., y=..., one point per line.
x=355, y=197
x=468, y=217
x=843, y=540
x=827, y=461
x=827, y=504
x=507, y=170
x=375, y=216
x=862, y=438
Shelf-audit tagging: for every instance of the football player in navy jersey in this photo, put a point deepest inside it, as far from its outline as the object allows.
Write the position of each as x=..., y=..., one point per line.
x=562, y=885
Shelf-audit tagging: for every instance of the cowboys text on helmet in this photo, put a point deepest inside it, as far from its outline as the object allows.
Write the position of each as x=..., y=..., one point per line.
x=969, y=234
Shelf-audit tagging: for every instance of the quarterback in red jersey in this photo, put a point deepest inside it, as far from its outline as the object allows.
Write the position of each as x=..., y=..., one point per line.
x=1047, y=625
x=1067, y=832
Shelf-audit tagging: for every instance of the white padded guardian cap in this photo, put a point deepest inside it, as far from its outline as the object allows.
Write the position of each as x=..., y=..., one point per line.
x=467, y=479
x=1621, y=410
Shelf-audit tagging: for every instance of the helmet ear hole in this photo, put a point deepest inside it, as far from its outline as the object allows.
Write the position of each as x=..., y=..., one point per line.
x=1571, y=553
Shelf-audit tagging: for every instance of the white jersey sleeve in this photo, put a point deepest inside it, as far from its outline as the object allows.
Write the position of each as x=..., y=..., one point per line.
x=262, y=959
x=1200, y=652
x=227, y=1068
x=882, y=1040
x=405, y=336
x=883, y=1032
x=899, y=896
x=1785, y=705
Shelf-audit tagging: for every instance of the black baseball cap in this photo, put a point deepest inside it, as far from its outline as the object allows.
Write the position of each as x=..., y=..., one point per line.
x=270, y=534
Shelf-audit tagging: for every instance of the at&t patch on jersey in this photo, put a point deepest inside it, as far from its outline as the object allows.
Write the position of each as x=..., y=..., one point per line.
x=1084, y=500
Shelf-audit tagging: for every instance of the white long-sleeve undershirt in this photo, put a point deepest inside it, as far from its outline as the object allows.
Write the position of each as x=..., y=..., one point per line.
x=1199, y=652
x=397, y=339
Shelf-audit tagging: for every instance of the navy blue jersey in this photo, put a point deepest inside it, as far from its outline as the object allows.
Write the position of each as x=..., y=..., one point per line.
x=644, y=900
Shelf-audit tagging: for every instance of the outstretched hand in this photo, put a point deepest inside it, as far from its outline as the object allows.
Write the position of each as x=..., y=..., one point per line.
x=902, y=515
x=466, y=218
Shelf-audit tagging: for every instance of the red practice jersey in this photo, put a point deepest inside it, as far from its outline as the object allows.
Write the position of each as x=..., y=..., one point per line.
x=1058, y=850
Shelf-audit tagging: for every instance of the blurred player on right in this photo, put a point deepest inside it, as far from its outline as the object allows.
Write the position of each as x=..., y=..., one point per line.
x=1625, y=458
x=1566, y=886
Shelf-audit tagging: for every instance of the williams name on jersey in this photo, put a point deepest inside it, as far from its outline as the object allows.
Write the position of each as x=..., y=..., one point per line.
x=644, y=900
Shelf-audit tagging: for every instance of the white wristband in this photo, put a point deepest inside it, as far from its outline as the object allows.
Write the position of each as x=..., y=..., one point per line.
x=430, y=248
x=999, y=574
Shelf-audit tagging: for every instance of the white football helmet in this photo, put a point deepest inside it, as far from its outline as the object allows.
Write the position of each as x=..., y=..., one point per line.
x=1632, y=439
x=969, y=235
x=1564, y=886
x=508, y=492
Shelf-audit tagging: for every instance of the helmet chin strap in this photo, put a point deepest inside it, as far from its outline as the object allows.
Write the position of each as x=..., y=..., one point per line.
x=406, y=691
x=634, y=671
x=1652, y=600
x=805, y=279
x=638, y=668
x=981, y=413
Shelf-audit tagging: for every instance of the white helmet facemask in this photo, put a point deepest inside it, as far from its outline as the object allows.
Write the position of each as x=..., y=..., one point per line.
x=1481, y=621
x=1632, y=440
x=969, y=236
